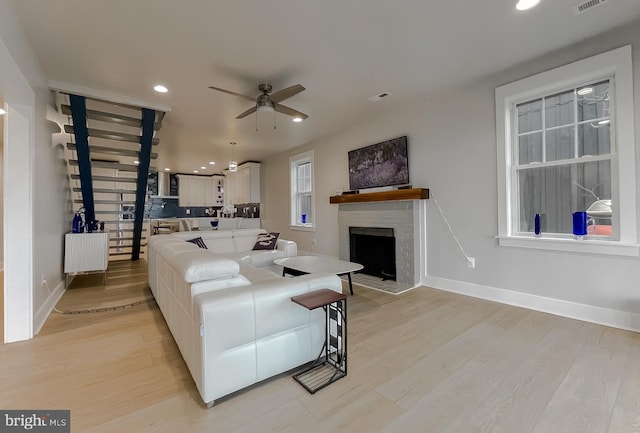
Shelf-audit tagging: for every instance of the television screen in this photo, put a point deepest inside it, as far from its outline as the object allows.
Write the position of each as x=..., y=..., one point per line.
x=381, y=164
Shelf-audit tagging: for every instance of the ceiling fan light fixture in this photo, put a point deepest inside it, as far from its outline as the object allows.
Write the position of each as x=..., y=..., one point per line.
x=265, y=107
x=160, y=88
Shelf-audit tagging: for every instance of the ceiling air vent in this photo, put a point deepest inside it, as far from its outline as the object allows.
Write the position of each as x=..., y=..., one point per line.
x=589, y=4
x=379, y=96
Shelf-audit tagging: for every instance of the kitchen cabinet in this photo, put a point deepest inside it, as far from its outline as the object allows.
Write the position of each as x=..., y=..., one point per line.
x=243, y=186
x=199, y=190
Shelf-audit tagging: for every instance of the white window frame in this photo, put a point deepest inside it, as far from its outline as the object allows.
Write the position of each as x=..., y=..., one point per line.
x=294, y=162
x=617, y=64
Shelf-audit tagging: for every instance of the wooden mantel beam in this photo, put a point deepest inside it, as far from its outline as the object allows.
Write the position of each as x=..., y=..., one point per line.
x=397, y=194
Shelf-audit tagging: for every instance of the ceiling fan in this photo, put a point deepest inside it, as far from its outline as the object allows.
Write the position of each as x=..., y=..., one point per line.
x=269, y=101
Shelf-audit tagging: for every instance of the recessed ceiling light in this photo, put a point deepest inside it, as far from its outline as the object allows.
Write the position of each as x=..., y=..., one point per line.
x=203, y=168
x=2, y=111
x=136, y=162
x=195, y=171
x=167, y=169
x=212, y=162
x=585, y=91
x=523, y=5
x=160, y=88
x=297, y=119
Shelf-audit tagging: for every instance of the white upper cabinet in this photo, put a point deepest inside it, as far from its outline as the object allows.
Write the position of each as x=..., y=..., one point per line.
x=243, y=186
x=199, y=190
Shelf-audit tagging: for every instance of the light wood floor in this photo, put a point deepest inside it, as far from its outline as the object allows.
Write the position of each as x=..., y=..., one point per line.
x=423, y=361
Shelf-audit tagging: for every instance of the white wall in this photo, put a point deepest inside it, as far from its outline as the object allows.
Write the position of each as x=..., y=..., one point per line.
x=1, y=187
x=35, y=204
x=452, y=151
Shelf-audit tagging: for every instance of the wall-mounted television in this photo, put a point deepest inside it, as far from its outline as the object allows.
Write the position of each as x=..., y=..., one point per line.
x=380, y=164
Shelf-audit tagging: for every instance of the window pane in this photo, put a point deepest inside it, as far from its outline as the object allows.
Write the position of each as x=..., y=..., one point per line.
x=558, y=109
x=594, y=139
x=304, y=206
x=530, y=148
x=529, y=116
x=593, y=101
x=556, y=192
x=559, y=144
x=304, y=177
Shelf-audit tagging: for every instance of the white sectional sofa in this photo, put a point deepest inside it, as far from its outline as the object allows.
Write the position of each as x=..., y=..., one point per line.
x=229, y=313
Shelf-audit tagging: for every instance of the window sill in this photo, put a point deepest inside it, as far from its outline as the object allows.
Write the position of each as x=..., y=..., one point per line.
x=303, y=228
x=588, y=246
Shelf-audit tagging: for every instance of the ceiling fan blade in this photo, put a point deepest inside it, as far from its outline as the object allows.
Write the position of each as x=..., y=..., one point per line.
x=287, y=93
x=233, y=93
x=289, y=111
x=246, y=113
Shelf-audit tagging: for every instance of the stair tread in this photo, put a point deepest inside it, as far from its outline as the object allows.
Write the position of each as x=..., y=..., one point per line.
x=108, y=190
x=103, y=116
x=112, y=165
x=111, y=150
x=110, y=135
x=116, y=202
x=108, y=178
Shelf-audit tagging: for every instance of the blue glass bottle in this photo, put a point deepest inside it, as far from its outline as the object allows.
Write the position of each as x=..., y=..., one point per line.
x=76, y=225
x=536, y=224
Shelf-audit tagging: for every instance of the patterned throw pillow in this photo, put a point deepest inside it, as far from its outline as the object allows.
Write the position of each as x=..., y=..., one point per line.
x=266, y=241
x=199, y=242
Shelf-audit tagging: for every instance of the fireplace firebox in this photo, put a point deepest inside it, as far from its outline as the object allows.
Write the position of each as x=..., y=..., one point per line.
x=375, y=249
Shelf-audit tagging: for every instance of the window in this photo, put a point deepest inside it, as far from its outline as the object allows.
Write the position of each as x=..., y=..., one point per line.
x=302, y=191
x=566, y=144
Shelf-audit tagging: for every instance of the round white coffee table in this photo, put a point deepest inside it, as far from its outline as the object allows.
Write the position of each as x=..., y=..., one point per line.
x=301, y=265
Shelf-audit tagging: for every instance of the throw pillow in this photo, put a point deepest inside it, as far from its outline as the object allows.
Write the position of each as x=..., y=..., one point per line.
x=199, y=242
x=266, y=241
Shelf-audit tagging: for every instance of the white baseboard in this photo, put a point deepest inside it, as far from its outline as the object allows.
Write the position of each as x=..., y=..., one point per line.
x=588, y=313
x=41, y=316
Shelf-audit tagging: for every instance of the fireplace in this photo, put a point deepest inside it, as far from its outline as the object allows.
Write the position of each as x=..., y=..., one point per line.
x=405, y=220
x=375, y=249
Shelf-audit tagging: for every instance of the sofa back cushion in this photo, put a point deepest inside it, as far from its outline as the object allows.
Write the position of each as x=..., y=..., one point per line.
x=200, y=265
x=219, y=241
x=245, y=239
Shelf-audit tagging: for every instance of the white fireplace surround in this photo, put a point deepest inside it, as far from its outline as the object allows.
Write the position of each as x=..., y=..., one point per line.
x=404, y=217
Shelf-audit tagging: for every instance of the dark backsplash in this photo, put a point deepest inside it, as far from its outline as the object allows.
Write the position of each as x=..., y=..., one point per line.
x=168, y=208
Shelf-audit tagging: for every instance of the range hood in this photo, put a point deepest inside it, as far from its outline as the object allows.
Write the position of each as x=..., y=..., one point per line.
x=164, y=187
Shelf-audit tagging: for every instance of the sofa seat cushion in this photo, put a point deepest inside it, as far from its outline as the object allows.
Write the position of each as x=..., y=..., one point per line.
x=258, y=257
x=200, y=265
x=256, y=275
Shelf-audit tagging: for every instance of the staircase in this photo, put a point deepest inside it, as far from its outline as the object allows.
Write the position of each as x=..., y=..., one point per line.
x=109, y=152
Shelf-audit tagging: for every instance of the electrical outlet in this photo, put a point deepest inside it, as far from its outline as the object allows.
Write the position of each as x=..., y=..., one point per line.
x=188, y=211
x=471, y=262
x=43, y=281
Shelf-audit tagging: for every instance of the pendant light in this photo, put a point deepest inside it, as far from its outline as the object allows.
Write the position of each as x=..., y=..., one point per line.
x=233, y=164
